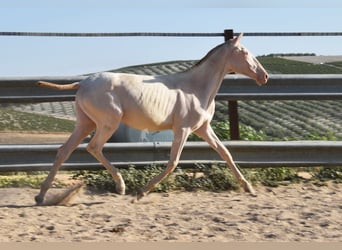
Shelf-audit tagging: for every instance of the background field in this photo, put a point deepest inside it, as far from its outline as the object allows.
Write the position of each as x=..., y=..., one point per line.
x=274, y=120
x=259, y=120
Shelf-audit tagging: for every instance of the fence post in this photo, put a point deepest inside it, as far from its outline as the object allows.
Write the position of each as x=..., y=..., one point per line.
x=232, y=105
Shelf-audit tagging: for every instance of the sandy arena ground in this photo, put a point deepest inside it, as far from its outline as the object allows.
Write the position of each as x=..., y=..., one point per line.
x=299, y=212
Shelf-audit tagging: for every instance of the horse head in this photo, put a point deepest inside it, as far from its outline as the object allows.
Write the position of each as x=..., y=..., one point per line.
x=243, y=62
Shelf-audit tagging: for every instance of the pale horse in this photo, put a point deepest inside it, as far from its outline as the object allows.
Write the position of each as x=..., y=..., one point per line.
x=183, y=102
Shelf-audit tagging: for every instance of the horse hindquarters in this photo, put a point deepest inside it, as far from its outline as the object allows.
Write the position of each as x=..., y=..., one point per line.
x=101, y=108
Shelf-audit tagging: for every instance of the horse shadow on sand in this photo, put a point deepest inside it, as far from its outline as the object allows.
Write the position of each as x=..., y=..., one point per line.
x=61, y=199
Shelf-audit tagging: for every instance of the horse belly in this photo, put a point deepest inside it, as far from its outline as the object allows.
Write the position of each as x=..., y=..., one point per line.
x=152, y=111
x=143, y=120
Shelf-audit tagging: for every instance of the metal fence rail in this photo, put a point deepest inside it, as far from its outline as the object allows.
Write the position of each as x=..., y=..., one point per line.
x=160, y=34
x=234, y=87
x=246, y=154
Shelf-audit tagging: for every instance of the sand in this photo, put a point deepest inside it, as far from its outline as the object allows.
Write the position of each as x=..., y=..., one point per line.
x=298, y=212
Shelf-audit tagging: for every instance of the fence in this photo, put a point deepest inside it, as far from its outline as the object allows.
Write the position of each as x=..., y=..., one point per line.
x=246, y=154
x=227, y=34
x=234, y=88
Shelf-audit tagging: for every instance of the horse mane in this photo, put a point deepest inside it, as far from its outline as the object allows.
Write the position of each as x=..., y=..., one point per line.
x=212, y=51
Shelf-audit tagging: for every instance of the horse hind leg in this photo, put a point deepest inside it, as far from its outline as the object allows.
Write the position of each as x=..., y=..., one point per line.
x=104, y=131
x=83, y=127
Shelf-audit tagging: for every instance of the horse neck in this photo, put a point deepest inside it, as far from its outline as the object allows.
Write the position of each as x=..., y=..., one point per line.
x=206, y=78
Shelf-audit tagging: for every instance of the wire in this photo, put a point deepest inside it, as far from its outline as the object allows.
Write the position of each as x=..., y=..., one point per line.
x=162, y=34
x=74, y=34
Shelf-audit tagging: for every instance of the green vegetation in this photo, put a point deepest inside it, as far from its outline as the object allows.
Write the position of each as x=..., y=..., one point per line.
x=221, y=129
x=277, y=65
x=292, y=120
x=272, y=63
x=20, y=181
x=336, y=64
x=11, y=120
x=24, y=180
x=215, y=178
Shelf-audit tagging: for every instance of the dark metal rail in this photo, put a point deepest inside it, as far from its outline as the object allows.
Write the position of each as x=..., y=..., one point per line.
x=234, y=87
x=247, y=154
x=159, y=34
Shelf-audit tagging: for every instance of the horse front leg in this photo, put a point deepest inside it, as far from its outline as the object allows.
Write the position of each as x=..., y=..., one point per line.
x=179, y=140
x=208, y=134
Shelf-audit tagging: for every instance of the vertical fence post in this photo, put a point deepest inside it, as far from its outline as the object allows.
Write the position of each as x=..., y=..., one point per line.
x=232, y=105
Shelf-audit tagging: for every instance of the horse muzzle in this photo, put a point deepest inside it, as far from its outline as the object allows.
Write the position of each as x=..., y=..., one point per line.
x=262, y=79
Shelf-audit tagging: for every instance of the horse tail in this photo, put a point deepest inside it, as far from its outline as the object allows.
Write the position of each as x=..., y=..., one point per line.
x=74, y=85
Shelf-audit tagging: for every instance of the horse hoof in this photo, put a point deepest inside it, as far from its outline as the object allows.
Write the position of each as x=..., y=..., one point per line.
x=253, y=193
x=120, y=190
x=120, y=187
x=39, y=200
x=140, y=194
x=248, y=188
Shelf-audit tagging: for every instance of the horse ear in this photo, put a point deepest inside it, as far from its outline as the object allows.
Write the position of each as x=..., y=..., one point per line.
x=237, y=39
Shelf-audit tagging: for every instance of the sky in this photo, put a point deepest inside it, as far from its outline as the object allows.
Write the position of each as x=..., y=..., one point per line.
x=62, y=56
